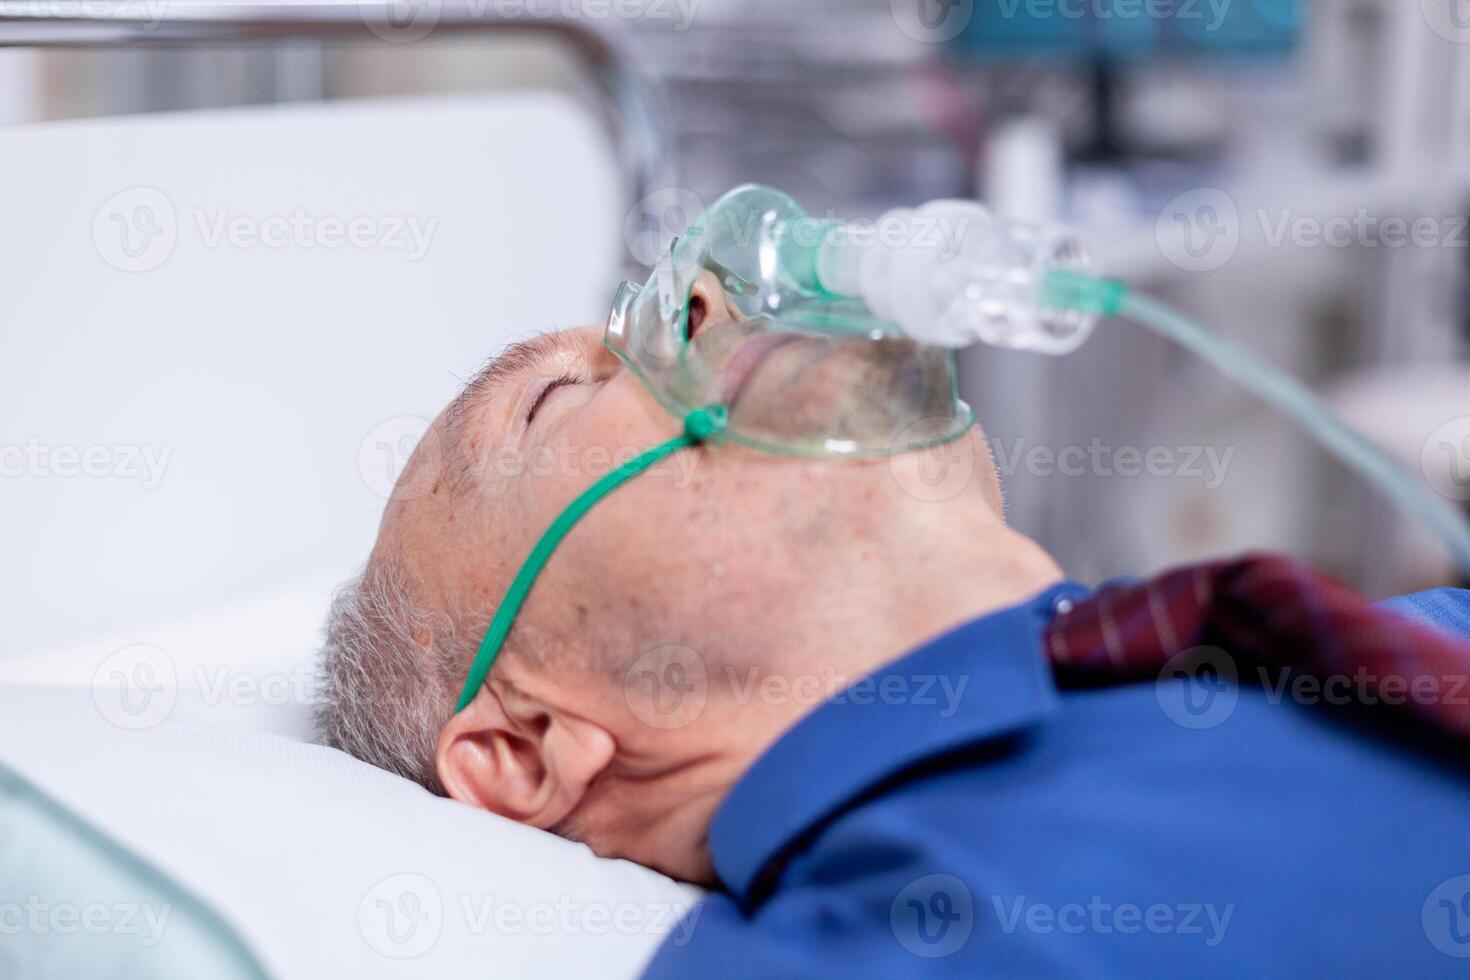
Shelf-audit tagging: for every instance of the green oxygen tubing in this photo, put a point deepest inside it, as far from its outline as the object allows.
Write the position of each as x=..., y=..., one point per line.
x=1069, y=289
x=700, y=426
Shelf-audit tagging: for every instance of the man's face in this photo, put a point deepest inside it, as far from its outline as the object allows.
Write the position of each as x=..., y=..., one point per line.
x=729, y=555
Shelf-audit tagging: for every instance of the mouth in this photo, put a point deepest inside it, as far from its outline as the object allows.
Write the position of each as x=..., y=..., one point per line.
x=743, y=365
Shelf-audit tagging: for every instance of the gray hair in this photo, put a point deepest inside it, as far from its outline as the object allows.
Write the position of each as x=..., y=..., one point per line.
x=389, y=675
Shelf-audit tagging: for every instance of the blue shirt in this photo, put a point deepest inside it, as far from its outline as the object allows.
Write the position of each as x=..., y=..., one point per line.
x=957, y=815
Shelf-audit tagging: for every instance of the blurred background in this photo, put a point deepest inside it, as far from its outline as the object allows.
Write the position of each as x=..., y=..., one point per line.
x=1294, y=173
x=1197, y=146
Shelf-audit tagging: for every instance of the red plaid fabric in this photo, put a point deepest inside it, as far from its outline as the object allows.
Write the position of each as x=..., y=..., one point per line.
x=1273, y=613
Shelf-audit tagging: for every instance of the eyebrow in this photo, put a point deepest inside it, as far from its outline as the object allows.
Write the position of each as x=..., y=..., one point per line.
x=488, y=382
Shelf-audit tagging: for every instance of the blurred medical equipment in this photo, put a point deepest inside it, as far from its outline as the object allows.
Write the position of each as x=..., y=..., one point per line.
x=1301, y=110
x=1110, y=37
x=879, y=299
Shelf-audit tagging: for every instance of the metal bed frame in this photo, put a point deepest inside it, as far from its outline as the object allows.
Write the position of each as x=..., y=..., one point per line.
x=626, y=101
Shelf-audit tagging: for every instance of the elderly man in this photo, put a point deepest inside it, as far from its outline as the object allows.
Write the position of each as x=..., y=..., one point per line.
x=878, y=721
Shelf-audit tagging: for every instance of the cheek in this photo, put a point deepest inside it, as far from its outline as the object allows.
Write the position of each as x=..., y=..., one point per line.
x=608, y=426
x=639, y=532
x=620, y=421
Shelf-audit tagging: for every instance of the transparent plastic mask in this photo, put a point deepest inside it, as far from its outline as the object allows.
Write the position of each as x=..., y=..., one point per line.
x=800, y=370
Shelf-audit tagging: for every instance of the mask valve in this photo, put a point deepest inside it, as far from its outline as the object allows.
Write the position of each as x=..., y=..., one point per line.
x=949, y=274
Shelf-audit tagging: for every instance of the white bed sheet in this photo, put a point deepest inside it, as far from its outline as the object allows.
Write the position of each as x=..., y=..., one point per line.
x=327, y=867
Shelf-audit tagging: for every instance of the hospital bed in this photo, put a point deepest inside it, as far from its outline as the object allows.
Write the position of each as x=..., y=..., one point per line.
x=206, y=389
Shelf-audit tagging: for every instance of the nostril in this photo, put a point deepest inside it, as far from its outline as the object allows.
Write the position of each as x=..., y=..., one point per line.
x=698, y=310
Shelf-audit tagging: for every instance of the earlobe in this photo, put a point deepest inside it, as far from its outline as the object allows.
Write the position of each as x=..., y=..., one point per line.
x=534, y=770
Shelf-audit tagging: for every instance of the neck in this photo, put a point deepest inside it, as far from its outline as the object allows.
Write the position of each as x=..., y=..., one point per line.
x=850, y=624
x=929, y=581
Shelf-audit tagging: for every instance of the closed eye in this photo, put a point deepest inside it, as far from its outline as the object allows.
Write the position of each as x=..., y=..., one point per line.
x=551, y=386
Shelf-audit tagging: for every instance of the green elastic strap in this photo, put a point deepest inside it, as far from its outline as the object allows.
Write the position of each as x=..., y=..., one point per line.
x=700, y=425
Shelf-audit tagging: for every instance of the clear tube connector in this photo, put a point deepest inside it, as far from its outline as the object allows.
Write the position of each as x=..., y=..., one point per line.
x=950, y=274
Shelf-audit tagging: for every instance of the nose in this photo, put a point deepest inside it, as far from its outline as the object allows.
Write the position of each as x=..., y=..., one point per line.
x=709, y=304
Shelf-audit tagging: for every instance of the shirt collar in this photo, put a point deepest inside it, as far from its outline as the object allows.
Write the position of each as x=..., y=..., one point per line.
x=980, y=681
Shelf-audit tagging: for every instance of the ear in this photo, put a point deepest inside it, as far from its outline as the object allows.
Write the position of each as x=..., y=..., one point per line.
x=533, y=764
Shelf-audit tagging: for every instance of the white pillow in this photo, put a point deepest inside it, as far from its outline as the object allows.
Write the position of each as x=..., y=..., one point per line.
x=327, y=867
x=248, y=665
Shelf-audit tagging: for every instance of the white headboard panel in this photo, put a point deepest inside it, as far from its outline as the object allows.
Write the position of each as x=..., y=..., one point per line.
x=216, y=329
